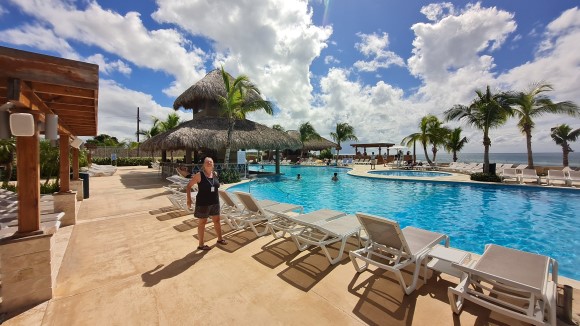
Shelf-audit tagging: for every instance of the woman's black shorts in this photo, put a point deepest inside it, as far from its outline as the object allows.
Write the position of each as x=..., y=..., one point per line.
x=206, y=211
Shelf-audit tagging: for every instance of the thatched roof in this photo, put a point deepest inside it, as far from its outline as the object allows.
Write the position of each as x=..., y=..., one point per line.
x=212, y=133
x=204, y=94
x=315, y=144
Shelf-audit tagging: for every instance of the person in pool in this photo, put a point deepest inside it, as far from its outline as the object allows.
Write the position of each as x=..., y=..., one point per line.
x=335, y=177
x=298, y=176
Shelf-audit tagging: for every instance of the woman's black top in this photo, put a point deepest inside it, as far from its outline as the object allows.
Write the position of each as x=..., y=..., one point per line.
x=205, y=197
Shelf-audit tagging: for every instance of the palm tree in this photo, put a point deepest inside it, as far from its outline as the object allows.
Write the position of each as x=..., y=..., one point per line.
x=173, y=120
x=242, y=97
x=562, y=135
x=533, y=103
x=343, y=132
x=487, y=111
x=7, y=150
x=154, y=131
x=439, y=135
x=307, y=132
x=278, y=127
x=455, y=143
x=424, y=136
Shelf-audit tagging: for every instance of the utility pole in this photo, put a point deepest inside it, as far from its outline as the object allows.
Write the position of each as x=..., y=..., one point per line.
x=138, y=144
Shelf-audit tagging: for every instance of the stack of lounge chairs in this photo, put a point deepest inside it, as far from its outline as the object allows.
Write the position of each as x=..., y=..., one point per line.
x=49, y=219
x=96, y=170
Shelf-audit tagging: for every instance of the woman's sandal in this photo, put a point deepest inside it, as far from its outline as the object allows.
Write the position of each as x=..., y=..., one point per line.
x=222, y=242
x=204, y=248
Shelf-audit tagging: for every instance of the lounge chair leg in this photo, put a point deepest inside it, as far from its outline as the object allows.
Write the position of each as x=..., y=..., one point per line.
x=455, y=300
x=355, y=263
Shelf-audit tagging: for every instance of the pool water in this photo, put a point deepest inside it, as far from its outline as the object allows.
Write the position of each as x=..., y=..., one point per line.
x=539, y=220
x=410, y=173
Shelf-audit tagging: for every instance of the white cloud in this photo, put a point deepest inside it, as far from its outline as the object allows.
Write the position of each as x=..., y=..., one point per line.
x=39, y=37
x=118, y=116
x=272, y=41
x=124, y=36
x=3, y=11
x=454, y=42
x=330, y=60
x=108, y=67
x=375, y=46
x=438, y=11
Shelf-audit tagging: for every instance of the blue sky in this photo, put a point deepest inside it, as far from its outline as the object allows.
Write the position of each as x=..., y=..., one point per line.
x=378, y=65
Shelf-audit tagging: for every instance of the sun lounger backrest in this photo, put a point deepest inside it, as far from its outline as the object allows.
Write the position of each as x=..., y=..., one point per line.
x=574, y=174
x=250, y=203
x=383, y=231
x=499, y=262
x=226, y=198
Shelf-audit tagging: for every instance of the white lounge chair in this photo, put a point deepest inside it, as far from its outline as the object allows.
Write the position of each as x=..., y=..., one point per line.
x=521, y=167
x=558, y=175
x=511, y=282
x=323, y=235
x=254, y=213
x=509, y=174
x=573, y=176
x=289, y=223
x=398, y=248
x=528, y=174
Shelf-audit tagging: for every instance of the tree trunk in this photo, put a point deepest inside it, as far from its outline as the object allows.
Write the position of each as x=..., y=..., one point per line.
x=425, y=152
x=454, y=156
x=277, y=158
x=565, y=152
x=528, y=132
x=486, y=145
x=337, y=153
x=434, y=149
x=229, y=142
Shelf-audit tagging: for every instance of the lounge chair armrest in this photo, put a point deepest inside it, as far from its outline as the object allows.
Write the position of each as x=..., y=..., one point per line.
x=468, y=269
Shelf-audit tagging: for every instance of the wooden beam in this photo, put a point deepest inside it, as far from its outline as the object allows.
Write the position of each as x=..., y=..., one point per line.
x=51, y=99
x=64, y=164
x=63, y=90
x=28, y=172
x=64, y=106
x=48, y=69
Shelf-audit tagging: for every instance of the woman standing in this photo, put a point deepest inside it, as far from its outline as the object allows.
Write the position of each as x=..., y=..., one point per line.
x=207, y=201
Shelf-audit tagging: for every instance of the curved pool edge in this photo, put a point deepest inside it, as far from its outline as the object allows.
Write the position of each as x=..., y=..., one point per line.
x=363, y=172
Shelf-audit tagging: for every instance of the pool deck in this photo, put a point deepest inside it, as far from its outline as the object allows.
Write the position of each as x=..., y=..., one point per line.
x=132, y=260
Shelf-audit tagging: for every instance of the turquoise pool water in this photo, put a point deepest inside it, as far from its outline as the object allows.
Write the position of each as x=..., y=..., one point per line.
x=413, y=174
x=540, y=220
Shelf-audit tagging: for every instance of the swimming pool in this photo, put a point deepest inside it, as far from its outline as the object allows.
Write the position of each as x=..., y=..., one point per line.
x=411, y=173
x=534, y=219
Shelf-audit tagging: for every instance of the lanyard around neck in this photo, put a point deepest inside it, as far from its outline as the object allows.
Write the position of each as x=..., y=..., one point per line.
x=212, y=182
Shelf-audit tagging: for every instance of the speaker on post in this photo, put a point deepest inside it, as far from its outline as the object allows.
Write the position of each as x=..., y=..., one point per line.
x=22, y=124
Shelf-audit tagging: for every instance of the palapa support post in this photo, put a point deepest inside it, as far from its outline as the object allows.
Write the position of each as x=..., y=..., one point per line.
x=277, y=161
x=65, y=199
x=28, y=171
x=76, y=184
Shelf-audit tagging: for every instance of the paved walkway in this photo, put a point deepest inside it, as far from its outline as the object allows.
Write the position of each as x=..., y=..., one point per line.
x=132, y=260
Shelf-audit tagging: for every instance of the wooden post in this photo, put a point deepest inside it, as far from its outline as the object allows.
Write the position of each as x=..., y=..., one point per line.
x=64, y=164
x=75, y=163
x=277, y=161
x=28, y=171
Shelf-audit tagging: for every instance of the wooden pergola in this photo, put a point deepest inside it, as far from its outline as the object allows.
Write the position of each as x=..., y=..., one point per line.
x=41, y=84
x=372, y=145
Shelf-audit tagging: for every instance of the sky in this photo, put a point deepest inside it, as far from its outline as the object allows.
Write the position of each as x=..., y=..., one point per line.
x=378, y=65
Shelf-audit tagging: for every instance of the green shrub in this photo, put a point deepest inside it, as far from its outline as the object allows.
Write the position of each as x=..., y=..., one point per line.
x=49, y=188
x=485, y=177
x=325, y=153
x=9, y=186
x=229, y=176
x=123, y=161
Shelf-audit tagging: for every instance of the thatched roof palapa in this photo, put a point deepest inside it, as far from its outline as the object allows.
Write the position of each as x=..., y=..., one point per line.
x=205, y=93
x=212, y=133
x=313, y=144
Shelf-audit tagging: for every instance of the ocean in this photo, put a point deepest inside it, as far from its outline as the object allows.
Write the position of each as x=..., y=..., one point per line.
x=540, y=159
